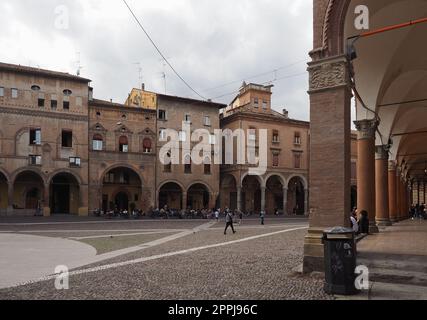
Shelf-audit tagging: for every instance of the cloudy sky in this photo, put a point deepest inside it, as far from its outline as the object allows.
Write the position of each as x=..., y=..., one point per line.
x=213, y=44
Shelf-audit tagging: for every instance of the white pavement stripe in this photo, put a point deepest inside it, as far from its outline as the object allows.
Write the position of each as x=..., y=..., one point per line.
x=160, y=256
x=117, y=235
x=105, y=231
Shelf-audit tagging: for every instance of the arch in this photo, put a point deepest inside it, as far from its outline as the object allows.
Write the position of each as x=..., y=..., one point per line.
x=117, y=166
x=171, y=197
x=200, y=183
x=171, y=181
x=278, y=175
x=259, y=178
x=198, y=196
x=297, y=195
x=66, y=194
x=25, y=181
x=303, y=178
x=65, y=171
x=5, y=174
x=18, y=172
x=228, y=191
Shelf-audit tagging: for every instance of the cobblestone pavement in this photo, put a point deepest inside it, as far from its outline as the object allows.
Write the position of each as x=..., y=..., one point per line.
x=255, y=268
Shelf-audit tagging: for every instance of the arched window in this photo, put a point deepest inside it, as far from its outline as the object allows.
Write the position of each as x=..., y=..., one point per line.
x=147, y=145
x=187, y=165
x=207, y=165
x=97, y=142
x=123, y=144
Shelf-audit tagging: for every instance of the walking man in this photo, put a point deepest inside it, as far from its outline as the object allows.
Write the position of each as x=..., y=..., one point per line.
x=229, y=222
x=262, y=216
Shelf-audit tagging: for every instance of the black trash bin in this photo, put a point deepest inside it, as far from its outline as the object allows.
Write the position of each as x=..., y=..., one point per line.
x=340, y=261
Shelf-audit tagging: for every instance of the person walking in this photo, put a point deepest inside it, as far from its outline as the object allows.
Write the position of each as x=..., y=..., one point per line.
x=354, y=223
x=262, y=216
x=229, y=222
x=240, y=217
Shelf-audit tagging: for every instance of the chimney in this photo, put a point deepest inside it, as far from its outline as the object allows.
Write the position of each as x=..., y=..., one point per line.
x=90, y=94
x=286, y=113
x=143, y=87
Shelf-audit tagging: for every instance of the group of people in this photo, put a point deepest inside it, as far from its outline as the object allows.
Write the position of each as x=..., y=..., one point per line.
x=230, y=216
x=359, y=222
x=418, y=212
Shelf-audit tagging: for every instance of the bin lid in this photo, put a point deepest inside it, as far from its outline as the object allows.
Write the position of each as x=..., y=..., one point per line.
x=339, y=233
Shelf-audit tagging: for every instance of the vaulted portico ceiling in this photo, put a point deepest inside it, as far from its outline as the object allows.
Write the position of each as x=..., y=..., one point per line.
x=391, y=75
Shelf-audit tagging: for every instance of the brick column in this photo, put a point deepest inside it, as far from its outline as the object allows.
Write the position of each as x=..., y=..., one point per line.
x=263, y=189
x=10, y=192
x=239, y=198
x=184, y=200
x=366, y=169
x=306, y=192
x=285, y=200
x=392, y=191
x=381, y=186
x=46, y=201
x=330, y=163
x=399, y=196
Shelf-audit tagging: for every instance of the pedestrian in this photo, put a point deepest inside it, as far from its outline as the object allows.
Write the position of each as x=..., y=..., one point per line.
x=229, y=222
x=240, y=217
x=262, y=216
x=364, y=222
x=217, y=214
x=354, y=223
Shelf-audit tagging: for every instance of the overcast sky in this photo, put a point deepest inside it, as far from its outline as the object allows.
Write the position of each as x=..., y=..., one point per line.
x=211, y=43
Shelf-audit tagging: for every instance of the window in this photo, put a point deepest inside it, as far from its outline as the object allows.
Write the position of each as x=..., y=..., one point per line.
x=264, y=104
x=256, y=102
x=109, y=178
x=35, y=160
x=147, y=146
x=187, y=168
x=167, y=168
x=53, y=104
x=14, y=93
x=162, y=135
x=275, y=136
x=123, y=144
x=297, y=161
x=275, y=160
x=252, y=134
x=297, y=139
x=35, y=137
x=207, y=121
x=187, y=119
x=212, y=139
x=35, y=88
x=207, y=166
x=75, y=162
x=1, y=92
x=162, y=115
x=41, y=102
x=97, y=143
x=354, y=170
x=66, y=105
x=182, y=136
x=67, y=139
x=124, y=178
x=67, y=92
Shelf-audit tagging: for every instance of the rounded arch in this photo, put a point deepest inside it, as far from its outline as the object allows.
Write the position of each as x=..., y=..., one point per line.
x=18, y=172
x=64, y=171
x=5, y=174
x=282, y=179
x=303, y=178
x=171, y=181
x=198, y=196
x=207, y=186
x=121, y=165
x=259, y=178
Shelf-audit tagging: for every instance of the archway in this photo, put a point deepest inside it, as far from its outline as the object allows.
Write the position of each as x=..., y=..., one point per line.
x=228, y=192
x=121, y=189
x=274, y=194
x=170, y=195
x=64, y=194
x=121, y=201
x=28, y=191
x=198, y=197
x=3, y=192
x=296, y=196
x=353, y=197
x=251, y=194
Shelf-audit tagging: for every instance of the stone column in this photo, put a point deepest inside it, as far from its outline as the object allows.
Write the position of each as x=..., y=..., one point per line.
x=84, y=201
x=285, y=201
x=366, y=169
x=184, y=200
x=306, y=192
x=10, y=192
x=239, y=198
x=263, y=189
x=381, y=186
x=418, y=192
x=392, y=191
x=46, y=201
x=399, y=196
x=330, y=163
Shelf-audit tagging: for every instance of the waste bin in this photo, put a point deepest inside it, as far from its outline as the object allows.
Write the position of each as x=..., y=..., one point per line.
x=340, y=261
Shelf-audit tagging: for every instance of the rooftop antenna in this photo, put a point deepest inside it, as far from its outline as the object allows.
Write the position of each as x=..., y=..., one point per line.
x=139, y=72
x=79, y=67
x=163, y=73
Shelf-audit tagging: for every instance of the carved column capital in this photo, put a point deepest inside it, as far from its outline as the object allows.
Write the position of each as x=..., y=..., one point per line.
x=392, y=165
x=328, y=74
x=366, y=128
x=382, y=152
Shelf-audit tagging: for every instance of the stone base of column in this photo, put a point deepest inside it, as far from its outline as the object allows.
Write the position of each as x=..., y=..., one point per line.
x=384, y=223
x=46, y=212
x=373, y=228
x=313, y=251
x=393, y=220
x=83, y=212
x=9, y=211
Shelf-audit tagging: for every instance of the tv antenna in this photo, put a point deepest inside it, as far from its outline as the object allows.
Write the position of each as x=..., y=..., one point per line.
x=163, y=73
x=139, y=69
x=78, y=62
